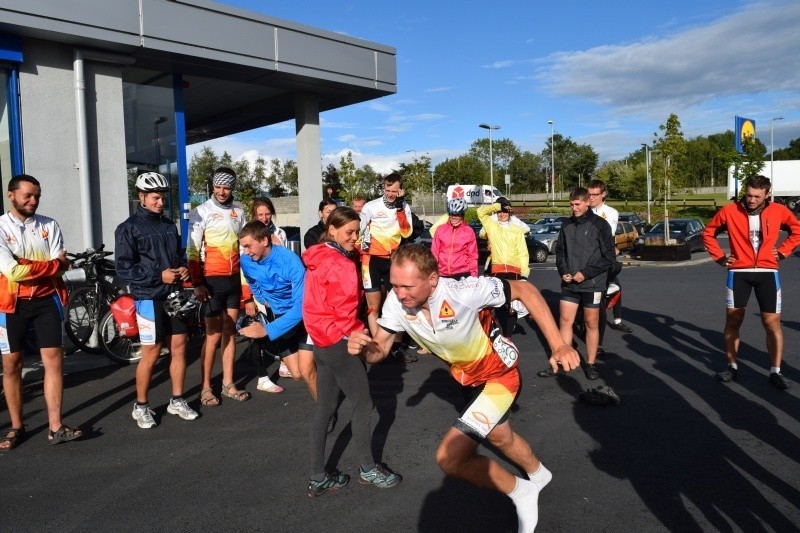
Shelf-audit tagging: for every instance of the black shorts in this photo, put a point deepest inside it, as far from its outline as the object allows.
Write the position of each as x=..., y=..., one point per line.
x=288, y=343
x=45, y=315
x=225, y=293
x=766, y=285
x=155, y=324
x=588, y=300
x=375, y=273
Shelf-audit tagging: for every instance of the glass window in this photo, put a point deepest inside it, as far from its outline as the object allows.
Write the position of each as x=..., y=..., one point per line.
x=150, y=139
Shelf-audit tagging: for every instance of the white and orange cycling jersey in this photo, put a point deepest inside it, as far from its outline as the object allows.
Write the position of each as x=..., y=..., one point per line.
x=459, y=330
x=213, y=230
x=382, y=227
x=29, y=266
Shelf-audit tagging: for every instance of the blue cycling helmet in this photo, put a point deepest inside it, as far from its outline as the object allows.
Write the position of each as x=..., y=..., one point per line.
x=456, y=206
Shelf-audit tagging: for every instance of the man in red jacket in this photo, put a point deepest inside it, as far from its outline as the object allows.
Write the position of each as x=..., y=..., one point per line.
x=753, y=225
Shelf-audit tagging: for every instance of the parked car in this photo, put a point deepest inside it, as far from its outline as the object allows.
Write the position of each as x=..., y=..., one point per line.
x=634, y=219
x=551, y=219
x=537, y=251
x=683, y=230
x=626, y=236
x=547, y=234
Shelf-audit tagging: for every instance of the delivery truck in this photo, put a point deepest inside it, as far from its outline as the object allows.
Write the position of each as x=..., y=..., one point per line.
x=474, y=194
x=785, y=176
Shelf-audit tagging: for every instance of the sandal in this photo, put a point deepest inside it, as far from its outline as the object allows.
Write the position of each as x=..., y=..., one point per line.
x=207, y=398
x=9, y=442
x=238, y=395
x=64, y=434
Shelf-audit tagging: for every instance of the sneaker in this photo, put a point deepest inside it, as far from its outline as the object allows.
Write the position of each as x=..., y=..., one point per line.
x=548, y=373
x=332, y=422
x=178, y=406
x=380, y=476
x=778, y=381
x=143, y=416
x=612, y=288
x=728, y=375
x=590, y=371
x=622, y=326
x=333, y=480
x=401, y=355
x=283, y=371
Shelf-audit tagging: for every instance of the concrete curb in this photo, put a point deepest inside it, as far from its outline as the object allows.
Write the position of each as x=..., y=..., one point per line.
x=628, y=262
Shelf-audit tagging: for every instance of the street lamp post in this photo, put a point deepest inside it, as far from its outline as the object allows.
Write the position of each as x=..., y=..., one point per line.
x=486, y=126
x=649, y=178
x=552, y=163
x=772, y=144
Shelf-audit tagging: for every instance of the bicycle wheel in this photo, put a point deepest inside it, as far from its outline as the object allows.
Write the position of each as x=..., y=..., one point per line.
x=122, y=350
x=82, y=316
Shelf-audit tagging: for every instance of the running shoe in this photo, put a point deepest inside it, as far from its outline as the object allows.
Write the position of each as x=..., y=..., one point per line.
x=778, y=381
x=333, y=481
x=178, y=406
x=590, y=371
x=143, y=416
x=727, y=375
x=379, y=476
x=621, y=326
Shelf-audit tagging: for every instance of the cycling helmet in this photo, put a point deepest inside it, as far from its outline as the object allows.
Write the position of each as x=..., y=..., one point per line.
x=180, y=304
x=456, y=206
x=245, y=320
x=152, y=182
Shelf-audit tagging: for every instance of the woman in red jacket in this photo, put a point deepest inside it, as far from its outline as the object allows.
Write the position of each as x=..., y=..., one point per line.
x=454, y=244
x=332, y=301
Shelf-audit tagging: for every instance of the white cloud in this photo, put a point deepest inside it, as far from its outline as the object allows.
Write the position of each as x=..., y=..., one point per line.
x=439, y=89
x=750, y=52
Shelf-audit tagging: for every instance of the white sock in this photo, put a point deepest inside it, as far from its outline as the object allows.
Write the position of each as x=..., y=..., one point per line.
x=617, y=321
x=775, y=370
x=541, y=477
x=733, y=366
x=526, y=499
x=265, y=381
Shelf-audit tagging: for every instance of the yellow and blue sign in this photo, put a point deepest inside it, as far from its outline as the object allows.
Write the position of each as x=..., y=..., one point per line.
x=744, y=127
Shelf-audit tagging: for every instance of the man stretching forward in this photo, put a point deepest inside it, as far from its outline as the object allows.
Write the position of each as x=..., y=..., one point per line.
x=449, y=319
x=753, y=226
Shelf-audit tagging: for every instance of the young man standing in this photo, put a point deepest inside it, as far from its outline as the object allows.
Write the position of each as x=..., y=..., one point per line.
x=32, y=260
x=384, y=222
x=597, y=201
x=214, y=228
x=584, y=255
x=447, y=317
x=753, y=227
x=148, y=257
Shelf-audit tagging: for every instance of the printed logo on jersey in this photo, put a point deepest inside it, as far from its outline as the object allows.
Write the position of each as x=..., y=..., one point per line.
x=446, y=311
x=233, y=214
x=216, y=216
x=10, y=239
x=44, y=233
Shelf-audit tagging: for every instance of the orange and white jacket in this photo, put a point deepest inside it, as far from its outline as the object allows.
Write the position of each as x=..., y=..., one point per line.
x=29, y=267
x=213, y=230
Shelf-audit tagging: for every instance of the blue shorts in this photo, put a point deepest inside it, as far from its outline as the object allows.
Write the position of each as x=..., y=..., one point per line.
x=155, y=324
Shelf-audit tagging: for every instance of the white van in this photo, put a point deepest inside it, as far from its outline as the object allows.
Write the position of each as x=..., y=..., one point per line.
x=474, y=194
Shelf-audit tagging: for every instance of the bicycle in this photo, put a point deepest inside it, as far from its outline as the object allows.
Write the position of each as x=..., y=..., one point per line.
x=126, y=349
x=96, y=287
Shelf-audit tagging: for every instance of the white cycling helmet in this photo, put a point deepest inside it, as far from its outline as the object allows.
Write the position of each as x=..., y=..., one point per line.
x=456, y=206
x=152, y=182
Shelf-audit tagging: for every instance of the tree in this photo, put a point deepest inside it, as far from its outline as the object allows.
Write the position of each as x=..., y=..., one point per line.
x=330, y=178
x=624, y=180
x=527, y=174
x=671, y=147
x=201, y=169
x=370, y=183
x=504, y=151
x=465, y=169
x=349, y=178
x=574, y=162
x=790, y=152
x=416, y=175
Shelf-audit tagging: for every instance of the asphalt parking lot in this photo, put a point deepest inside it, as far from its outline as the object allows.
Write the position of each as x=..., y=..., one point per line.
x=681, y=452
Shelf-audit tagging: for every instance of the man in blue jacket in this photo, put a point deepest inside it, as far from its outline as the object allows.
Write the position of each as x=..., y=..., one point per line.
x=148, y=257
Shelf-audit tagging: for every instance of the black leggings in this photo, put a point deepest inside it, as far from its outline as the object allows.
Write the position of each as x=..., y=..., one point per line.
x=338, y=371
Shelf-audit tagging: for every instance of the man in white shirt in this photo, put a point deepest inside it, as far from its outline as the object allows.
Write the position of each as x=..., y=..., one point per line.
x=597, y=201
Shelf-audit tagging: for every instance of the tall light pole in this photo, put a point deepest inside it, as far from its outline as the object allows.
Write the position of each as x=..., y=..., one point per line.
x=491, y=157
x=552, y=163
x=647, y=163
x=772, y=144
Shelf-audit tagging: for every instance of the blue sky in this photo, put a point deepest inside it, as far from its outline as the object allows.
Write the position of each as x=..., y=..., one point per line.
x=607, y=74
